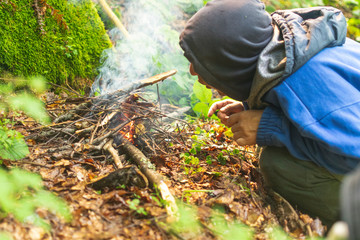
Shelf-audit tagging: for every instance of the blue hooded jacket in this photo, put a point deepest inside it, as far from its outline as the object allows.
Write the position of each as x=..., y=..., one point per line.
x=315, y=112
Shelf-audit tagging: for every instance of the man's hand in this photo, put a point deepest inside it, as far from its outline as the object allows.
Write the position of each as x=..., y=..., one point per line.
x=244, y=126
x=226, y=108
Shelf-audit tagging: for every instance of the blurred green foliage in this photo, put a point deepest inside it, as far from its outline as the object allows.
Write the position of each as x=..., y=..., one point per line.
x=61, y=40
x=201, y=99
x=22, y=193
x=17, y=94
x=350, y=8
x=12, y=144
x=189, y=226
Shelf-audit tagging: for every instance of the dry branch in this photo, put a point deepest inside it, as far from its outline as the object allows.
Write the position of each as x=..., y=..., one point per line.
x=155, y=178
x=113, y=17
x=71, y=114
x=114, y=153
x=137, y=85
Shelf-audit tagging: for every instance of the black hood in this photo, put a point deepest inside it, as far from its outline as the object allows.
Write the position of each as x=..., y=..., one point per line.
x=223, y=41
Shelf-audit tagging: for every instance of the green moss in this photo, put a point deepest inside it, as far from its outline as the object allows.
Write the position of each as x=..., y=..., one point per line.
x=68, y=46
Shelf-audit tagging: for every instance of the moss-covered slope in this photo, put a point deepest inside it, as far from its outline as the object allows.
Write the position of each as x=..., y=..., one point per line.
x=59, y=39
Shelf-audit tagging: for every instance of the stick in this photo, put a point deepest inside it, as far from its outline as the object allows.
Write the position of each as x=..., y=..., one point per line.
x=113, y=17
x=72, y=113
x=114, y=153
x=156, y=179
x=137, y=85
x=156, y=78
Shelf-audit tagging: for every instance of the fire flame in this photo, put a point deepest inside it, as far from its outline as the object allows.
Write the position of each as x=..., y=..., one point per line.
x=128, y=131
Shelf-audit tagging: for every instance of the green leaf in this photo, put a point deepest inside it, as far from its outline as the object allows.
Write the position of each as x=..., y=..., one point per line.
x=278, y=234
x=24, y=179
x=231, y=231
x=201, y=109
x=22, y=193
x=12, y=145
x=187, y=221
x=202, y=93
x=7, y=199
x=51, y=202
x=32, y=106
x=5, y=236
x=6, y=88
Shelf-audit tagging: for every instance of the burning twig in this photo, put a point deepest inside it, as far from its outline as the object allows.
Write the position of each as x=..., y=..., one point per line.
x=114, y=131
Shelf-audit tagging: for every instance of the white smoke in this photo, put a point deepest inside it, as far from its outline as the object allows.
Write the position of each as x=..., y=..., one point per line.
x=152, y=41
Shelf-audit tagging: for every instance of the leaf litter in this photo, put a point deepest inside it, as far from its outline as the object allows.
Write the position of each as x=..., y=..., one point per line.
x=217, y=184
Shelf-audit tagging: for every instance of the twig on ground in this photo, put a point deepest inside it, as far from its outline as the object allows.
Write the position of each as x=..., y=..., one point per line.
x=156, y=179
x=114, y=153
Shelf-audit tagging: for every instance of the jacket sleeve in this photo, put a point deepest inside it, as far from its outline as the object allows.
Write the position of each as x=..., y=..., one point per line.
x=276, y=130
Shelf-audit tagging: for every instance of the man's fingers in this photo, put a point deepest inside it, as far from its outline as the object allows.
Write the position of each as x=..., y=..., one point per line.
x=218, y=105
x=232, y=108
x=215, y=107
x=223, y=117
x=233, y=119
x=241, y=141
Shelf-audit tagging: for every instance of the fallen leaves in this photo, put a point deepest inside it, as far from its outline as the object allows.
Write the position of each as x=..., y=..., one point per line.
x=116, y=210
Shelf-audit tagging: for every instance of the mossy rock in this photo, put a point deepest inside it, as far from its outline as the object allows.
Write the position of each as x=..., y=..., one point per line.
x=58, y=39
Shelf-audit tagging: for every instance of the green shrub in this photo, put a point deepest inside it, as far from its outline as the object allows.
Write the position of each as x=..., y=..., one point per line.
x=58, y=39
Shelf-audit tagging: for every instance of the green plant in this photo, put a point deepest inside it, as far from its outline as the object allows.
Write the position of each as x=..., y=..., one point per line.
x=209, y=159
x=193, y=162
x=187, y=193
x=5, y=236
x=16, y=94
x=187, y=223
x=230, y=230
x=221, y=158
x=157, y=197
x=134, y=205
x=201, y=99
x=12, y=144
x=189, y=227
x=22, y=193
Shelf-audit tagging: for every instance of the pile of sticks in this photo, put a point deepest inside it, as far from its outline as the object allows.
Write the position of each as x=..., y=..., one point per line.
x=97, y=128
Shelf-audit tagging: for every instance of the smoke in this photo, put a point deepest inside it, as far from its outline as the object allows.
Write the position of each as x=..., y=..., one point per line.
x=151, y=48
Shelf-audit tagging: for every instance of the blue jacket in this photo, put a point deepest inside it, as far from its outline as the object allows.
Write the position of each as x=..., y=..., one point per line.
x=315, y=112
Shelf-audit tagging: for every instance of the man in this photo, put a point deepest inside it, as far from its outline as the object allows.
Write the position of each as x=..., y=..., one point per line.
x=300, y=77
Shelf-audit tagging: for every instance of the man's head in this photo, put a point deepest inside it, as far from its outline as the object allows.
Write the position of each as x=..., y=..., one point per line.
x=223, y=41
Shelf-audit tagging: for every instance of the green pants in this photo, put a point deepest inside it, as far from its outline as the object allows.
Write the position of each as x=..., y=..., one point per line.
x=308, y=187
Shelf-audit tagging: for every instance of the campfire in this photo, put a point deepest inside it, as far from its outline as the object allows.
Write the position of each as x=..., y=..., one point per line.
x=118, y=124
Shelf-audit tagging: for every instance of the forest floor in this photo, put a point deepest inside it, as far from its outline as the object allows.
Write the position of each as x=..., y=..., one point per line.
x=217, y=184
